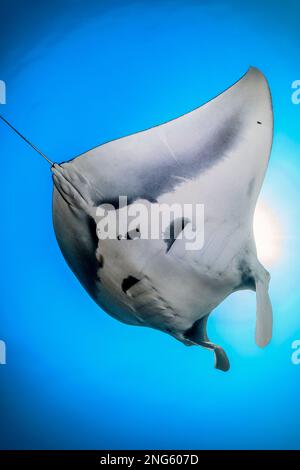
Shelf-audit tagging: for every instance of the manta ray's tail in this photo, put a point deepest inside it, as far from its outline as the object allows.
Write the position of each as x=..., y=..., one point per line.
x=26, y=140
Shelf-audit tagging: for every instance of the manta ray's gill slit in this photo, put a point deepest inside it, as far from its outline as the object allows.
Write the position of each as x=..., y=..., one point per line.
x=26, y=140
x=129, y=282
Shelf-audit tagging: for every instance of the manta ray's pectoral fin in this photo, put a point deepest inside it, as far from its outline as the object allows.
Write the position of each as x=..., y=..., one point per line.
x=264, y=315
x=198, y=335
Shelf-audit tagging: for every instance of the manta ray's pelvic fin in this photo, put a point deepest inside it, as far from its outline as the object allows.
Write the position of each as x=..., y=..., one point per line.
x=264, y=314
x=198, y=335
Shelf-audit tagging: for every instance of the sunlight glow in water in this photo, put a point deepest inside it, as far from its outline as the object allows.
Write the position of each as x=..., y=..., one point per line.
x=268, y=234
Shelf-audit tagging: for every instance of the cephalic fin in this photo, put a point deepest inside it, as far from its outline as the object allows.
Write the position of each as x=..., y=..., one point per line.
x=69, y=189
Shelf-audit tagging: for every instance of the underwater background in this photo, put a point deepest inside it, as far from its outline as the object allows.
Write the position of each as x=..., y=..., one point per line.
x=79, y=73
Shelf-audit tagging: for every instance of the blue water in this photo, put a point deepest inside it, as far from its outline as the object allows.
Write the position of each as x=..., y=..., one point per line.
x=79, y=73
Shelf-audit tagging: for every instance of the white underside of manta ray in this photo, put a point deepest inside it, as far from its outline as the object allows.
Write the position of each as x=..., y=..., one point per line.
x=216, y=155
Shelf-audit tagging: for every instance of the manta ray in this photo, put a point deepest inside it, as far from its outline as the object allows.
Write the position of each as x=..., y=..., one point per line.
x=216, y=155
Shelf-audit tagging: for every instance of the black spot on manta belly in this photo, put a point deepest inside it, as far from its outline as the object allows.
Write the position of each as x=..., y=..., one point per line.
x=129, y=282
x=133, y=234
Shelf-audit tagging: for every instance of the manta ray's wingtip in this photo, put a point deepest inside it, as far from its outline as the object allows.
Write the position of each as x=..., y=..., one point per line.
x=254, y=70
x=250, y=88
x=255, y=74
x=255, y=86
